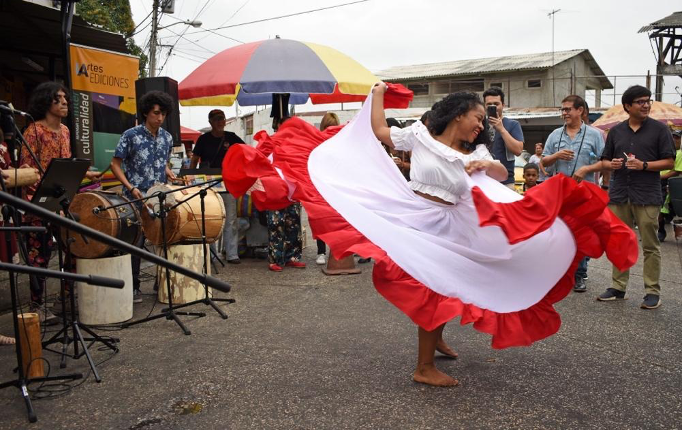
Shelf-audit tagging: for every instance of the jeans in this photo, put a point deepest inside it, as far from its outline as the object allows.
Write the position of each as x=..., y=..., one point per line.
x=230, y=237
x=135, y=264
x=321, y=246
x=582, y=269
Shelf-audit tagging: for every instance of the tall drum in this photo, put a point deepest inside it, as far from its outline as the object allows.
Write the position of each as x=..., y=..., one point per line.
x=184, y=222
x=121, y=222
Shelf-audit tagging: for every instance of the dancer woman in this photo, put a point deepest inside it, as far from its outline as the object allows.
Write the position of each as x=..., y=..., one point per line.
x=449, y=243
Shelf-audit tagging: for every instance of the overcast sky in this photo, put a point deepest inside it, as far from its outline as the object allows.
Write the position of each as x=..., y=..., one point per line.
x=383, y=33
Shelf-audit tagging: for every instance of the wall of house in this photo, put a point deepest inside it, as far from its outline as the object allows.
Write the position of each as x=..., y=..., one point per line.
x=518, y=86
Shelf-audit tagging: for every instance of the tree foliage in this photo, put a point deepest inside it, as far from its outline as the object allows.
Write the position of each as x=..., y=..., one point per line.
x=115, y=16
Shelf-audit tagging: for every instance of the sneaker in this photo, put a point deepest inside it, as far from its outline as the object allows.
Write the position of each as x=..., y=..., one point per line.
x=651, y=301
x=137, y=296
x=275, y=267
x=44, y=314
x=580, y=285
x=321, y=259
x=611, y=294
x=234, y=261
x=295, y=264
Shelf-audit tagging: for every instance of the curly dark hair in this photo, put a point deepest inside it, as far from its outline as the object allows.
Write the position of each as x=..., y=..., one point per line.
x=42, y=98
x=452, y=106
x=148, y=100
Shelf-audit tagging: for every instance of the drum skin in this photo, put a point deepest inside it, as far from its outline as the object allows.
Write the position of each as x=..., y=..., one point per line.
x=121, y=223
x=184, y=222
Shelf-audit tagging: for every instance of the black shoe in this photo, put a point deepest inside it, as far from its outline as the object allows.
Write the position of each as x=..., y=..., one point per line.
x=611, y=294
x=651, y=301
x=580, y=285
x=234, y=261
x=661, y=235
x=364, y=260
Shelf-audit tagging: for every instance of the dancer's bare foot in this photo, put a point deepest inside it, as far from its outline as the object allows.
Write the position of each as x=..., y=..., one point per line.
x=430, y=375
x=443, y=348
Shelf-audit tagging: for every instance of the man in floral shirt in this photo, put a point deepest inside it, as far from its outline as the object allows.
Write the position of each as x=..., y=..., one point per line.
x=141, y=159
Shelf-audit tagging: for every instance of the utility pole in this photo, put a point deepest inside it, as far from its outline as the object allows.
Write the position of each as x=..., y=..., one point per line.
x=551, y=15
x=153, y=41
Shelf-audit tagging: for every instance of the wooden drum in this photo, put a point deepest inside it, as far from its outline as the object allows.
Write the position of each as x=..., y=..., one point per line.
x=184, y=222
x=120, y=222
x=98, y=305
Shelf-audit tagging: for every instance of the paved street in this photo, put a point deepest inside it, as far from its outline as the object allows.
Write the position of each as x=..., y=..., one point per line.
x=303, y=350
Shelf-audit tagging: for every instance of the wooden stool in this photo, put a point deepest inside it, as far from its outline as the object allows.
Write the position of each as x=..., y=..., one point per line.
x=345, y=266
x=184, y=289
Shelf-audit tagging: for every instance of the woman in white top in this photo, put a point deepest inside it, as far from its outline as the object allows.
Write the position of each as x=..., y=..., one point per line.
x=455, y=122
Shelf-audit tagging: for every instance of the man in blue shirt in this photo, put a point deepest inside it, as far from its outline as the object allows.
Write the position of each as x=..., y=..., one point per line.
x=574, y=150
x=508, y=139
x=141, y=159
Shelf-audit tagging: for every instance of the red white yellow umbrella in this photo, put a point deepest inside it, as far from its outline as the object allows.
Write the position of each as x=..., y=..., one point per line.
x=253, y=72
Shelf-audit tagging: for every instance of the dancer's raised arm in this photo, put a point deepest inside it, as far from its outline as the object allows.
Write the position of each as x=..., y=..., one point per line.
x=377, y=118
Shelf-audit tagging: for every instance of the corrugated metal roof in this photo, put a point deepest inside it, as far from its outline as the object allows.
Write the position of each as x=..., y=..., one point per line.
x=673, y=20
x=544, y=60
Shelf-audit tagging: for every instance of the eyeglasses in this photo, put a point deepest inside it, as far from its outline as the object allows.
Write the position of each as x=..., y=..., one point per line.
x=563, y=110
x=218, y=119
x=643, y=102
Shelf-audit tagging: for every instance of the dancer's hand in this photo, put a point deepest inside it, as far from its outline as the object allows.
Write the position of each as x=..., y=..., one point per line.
x=477, y=165
x=380, y=88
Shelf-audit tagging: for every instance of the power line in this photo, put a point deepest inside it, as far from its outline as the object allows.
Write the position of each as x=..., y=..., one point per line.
x=281, y=16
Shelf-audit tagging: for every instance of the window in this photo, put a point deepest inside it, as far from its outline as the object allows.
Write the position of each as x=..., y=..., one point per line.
x=442, y=87
x=533, y=83
x=419, y=89
x=496, y=84
x=249, y=125
x=474, y=84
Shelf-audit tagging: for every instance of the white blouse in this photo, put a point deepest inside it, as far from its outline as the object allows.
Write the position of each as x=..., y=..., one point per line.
x=435, y=168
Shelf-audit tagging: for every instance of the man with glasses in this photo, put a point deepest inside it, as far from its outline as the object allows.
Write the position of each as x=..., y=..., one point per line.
x=637, y=150
x=209, y=151
x=506, y=135
x=574, y=150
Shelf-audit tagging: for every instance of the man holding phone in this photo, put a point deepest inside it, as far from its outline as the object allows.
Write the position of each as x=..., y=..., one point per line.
x=637, y=150
x=507, y=137
x=574, y=150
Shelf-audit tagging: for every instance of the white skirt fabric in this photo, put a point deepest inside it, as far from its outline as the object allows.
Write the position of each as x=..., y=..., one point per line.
x=441, y=246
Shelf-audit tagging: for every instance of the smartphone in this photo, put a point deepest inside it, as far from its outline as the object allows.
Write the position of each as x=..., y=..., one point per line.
x=492, y=111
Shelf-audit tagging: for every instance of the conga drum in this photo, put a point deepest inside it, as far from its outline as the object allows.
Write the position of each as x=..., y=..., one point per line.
x=98, y=305
x=121, y=222
x=184, y=289
x=184, y=222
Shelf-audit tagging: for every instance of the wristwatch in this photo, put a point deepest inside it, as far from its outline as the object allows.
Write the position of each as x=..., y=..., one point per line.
x=644, y=166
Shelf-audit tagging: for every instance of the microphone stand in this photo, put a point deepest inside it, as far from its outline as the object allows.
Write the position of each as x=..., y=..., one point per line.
x=66, y=263
x=169, y=313
x=22, y=381
x=207, y=300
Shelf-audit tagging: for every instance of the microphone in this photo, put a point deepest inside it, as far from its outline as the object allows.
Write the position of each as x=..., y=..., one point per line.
x=97, y=209
x=151, y=213
x=6, y=109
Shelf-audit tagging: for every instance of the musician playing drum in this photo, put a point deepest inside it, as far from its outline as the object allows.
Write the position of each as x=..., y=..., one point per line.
x=141, y=160
x=209, y=152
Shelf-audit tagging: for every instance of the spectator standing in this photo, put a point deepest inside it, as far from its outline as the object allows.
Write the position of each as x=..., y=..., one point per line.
x=506, y=135
x=536, y=159
x=329, y=119
x=530, y=177
x=573, y=150
x=667, y=214
x=208, y=152
x=636, y=150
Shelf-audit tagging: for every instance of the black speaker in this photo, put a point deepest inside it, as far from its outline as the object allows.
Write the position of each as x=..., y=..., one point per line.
x=170, y=87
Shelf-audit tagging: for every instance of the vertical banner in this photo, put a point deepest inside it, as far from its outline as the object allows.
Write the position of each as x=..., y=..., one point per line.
x=103, y=101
